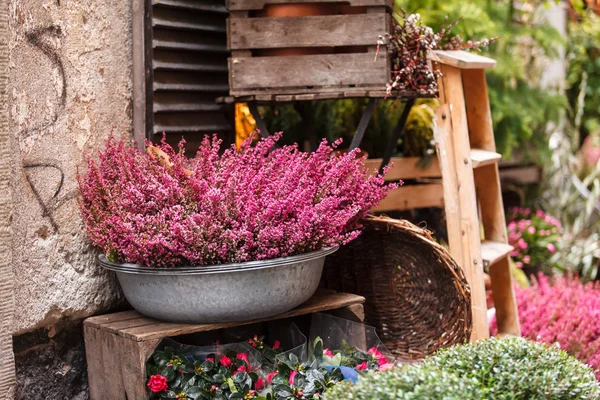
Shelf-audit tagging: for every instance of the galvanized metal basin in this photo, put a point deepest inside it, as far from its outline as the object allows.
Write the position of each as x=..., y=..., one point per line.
x=221, y=293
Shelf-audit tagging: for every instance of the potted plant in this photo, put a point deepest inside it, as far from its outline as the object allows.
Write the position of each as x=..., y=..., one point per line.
x=223, y=237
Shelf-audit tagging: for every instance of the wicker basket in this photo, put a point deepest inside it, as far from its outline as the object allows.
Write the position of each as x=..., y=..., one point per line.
x=417, y=296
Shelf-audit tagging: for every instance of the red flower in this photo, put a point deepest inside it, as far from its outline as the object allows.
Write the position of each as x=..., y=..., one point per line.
x=271, y=376
x=260, y=382
x=157, y=383
x=328, y=353
x=276, y=345
x=292, y=376
x=225, y=361
x=382, y=360
x=240, y=369
x=362, y=366
x=243, y=356
x=210, y=359
x=375, y=352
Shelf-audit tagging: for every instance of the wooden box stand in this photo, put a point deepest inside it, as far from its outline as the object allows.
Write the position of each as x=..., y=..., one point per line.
x=118, y=345
x=331, y=51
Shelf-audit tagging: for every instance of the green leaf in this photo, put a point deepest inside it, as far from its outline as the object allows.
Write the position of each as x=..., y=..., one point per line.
x=194, y=392
x=169, y=394
x=169, y=373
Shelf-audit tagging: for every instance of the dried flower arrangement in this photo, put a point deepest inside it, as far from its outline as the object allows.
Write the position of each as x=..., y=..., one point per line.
x=162, y=209
x=564, y=311
x=410, y=45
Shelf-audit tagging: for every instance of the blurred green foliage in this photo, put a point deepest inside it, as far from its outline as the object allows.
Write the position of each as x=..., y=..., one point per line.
x=521, y=110
x=339, y=119
x=583, y=78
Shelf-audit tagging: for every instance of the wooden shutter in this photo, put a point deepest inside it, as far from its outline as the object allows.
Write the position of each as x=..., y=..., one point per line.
x=180, y=67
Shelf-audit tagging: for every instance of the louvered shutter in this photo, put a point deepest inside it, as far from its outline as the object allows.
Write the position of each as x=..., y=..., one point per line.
x=180, y=68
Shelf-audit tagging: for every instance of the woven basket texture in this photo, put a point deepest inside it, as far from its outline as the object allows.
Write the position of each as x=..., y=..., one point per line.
x=417, y=297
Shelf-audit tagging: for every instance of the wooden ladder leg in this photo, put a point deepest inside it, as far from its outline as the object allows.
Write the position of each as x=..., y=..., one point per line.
x=453, y=149
x=489, y=192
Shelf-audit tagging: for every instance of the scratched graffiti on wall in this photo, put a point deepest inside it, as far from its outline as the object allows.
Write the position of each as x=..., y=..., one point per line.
x=57, y=199
x=43, y=39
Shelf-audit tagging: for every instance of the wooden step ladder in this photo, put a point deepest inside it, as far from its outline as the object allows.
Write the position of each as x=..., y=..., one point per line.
x=469, y=164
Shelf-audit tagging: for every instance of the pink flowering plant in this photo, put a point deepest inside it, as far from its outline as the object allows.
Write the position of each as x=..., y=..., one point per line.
x=162, y=209
x=534, y=236
x=565, y=311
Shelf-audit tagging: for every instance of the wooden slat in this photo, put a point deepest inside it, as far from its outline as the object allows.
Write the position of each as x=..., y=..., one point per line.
x=479, y=115
x=101, y=320
x=314, y=31
x=521, y=175
x=317, y=94
x=405, y=168
x=310, y=70
x=188, y=107
x=463, y=59
x=492, y=252
x=452, y=141
x=208, y=128
x=159, y=330
x=195, y=5
x=412, y=197
x=239, y=5
x=188, y=21
x=507, y=316
x=481, y=158
x=489, y=192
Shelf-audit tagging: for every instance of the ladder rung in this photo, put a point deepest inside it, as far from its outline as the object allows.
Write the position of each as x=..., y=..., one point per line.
x=480, y=158
x=462, y=59
x=492, y=252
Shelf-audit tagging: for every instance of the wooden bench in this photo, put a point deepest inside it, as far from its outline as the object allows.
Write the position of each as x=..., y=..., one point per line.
x=118, y=345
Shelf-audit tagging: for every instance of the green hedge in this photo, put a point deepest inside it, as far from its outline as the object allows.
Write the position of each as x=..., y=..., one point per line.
x=491, y=369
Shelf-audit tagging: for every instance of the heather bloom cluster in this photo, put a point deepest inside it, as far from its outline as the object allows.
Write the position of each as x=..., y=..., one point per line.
x=258, y=203
x=563, y=311
x=534, y=236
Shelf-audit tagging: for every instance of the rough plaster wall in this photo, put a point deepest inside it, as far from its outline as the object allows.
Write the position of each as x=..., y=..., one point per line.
x=69, y=85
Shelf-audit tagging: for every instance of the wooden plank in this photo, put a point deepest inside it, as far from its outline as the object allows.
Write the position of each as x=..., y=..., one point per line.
x=108, y=356
x=479, y=114
x=412, y=197
x=507, y=316
x=492, y=252
x=521, y=175
x=236, y=5
x=318, y=303
x=452, y=141
x=405, y=168
x=100, y=320
x=313, y=31
x=462, y=59
x=489, y=193
x=308, y=70
x=481, y=158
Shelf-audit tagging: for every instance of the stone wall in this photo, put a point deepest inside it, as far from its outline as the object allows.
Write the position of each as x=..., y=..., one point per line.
x=69, y=87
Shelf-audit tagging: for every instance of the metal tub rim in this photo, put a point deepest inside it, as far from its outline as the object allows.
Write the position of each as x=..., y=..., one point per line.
x=138, y=269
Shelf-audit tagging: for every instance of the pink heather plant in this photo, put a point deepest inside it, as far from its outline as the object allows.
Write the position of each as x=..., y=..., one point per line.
x=252, y=204
x=563, y=311
x=534, y=237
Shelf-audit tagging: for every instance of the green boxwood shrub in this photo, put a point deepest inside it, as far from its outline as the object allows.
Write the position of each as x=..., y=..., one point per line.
x=513, y=369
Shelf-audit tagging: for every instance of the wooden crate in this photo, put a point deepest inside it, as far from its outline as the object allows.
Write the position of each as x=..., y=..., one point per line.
x=342, y=67
x=118, y=345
